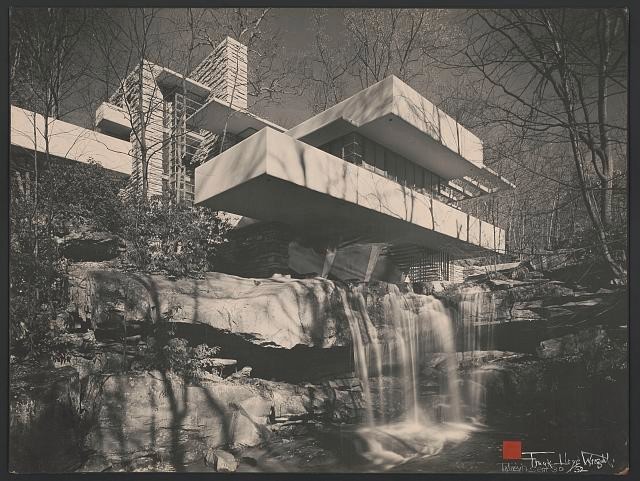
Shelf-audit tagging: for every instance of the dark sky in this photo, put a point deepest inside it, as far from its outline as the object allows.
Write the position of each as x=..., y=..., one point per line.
x=296, y=37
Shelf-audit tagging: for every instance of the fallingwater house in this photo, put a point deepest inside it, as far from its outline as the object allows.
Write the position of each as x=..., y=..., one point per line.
x=367, y=189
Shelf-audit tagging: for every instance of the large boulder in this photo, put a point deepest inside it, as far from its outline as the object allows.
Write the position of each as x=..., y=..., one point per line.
x=158, y=415
x=222, y=461
x=277, y=312
x=585, y=341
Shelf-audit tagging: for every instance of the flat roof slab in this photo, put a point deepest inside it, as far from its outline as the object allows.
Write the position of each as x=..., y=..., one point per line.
x=216, y=115
x=399, y=118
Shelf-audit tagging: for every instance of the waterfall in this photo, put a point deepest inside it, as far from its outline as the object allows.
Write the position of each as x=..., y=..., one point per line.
x=365, y=345
x=399, y=424
x=476, y=308
x=476, y=317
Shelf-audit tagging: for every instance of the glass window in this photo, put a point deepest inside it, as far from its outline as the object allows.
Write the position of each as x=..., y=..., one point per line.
x=379, y=154
x=352, y=150
x=428, y=181
x=335, y=148
x=411, y=178
x=420, y=174
x=401, y=168
x=390, y=165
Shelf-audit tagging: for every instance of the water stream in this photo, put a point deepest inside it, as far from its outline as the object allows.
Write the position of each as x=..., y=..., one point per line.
x=403, y=420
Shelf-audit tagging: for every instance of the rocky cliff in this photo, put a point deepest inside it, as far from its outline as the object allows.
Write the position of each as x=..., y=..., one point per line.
x=279, y=311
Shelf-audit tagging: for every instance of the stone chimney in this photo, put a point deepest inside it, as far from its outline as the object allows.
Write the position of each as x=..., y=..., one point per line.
x=225, y=71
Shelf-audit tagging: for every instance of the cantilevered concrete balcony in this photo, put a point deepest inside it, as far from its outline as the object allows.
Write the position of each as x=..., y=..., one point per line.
x=272, y=176
x=112, y=120
x=69, y=141
x=216, y=116
x=400, y=119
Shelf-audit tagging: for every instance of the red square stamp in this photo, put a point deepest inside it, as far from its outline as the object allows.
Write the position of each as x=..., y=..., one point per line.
x=511, y=449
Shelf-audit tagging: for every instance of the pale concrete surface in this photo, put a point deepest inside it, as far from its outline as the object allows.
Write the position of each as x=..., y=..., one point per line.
x=272, y=176
x=216, y=114
x=69, y=141
x=112, y=120
x=391, y=100
x=401, y=119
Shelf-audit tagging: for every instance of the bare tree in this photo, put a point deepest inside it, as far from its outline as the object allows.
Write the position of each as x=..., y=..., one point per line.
x=377, y=43
x=132, y=59
x=326, y=70
x=46, y=68
x=554, y=76
x=268, y=76
x=45, y=71
x=390, y=41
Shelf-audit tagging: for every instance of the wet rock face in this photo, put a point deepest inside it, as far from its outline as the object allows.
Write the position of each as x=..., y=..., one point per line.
x=277, y=312
x=516, y=315
x=340, y=400
x=44, y=420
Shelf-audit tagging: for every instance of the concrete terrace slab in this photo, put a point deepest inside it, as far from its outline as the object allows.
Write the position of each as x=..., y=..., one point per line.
x=69, y=141
x=272, y=176
x=401, y=119
x=216, y=115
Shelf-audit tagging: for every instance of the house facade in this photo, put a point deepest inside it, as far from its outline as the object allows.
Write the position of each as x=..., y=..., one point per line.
x=367, y=189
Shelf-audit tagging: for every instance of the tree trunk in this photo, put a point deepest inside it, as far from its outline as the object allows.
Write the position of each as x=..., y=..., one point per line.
x=617, y=271
x=606, y=182
x=551, y=222
x=144, y=161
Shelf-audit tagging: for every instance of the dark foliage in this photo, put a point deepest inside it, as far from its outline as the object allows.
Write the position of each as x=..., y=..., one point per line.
x=159, y=235
x=176, y=239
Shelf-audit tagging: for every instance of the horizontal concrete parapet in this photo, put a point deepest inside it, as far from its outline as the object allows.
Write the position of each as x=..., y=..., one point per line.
x=271, y=176
x=401, y=119
x=69, y=141
x=112, y=120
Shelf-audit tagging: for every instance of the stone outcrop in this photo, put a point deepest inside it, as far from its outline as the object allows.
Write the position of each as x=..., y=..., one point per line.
x=516, y=315
x=278, y=312
x=158, y=415
x=576, y=380
x=585, y=341
x=155, y=420
x=220, y=460
x=556, y=335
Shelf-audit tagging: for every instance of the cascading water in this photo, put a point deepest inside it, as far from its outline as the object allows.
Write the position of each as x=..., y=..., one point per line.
x=476, y=308
x=365, y=345
x=399, y=425
x=476, y=316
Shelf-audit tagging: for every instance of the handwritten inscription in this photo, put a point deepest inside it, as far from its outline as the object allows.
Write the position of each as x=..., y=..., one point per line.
x=555, y=462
